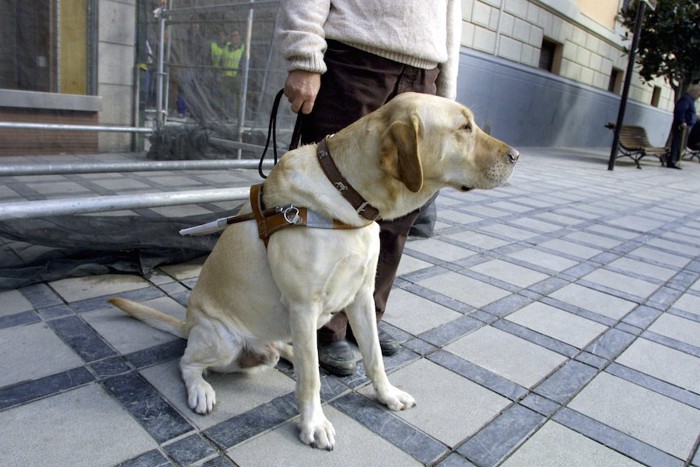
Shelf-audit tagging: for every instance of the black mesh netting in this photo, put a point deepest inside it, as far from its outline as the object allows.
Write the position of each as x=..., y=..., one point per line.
x=52, y=248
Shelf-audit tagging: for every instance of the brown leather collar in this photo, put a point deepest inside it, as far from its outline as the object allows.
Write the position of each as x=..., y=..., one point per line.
x=362, y=207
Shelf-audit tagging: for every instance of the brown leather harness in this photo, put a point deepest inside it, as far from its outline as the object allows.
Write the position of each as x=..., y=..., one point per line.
x=271, y=220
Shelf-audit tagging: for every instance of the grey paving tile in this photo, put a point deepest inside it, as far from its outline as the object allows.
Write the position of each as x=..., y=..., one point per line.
x=629, y=408
x=556, y=445
x=594, y=300
x=509, y=272
x=624, y=283
x=440, y=250
x=147, y=406
x=81, y=288
x=662, y=362
x=557, y=324
x=479, y=375
x=540, y=258
x=509, y=356
x=494, y=442
x=129, y=335
x=615, y=439
x=465, y=289
x=32, y=352
x=450, y=411
x=416, y=314
x=63, y=430
x=12, y=302
x=236, y=394
x=678, y=328
x=355, y=445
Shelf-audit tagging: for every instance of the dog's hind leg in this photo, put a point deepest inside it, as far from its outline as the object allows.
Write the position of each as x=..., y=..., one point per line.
x=207, y=347
x=364, y=325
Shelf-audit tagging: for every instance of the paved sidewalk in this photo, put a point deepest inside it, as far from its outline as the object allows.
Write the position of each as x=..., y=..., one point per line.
x=551, y=322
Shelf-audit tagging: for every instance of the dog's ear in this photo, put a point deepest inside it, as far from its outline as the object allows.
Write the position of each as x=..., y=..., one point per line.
x=400, y=157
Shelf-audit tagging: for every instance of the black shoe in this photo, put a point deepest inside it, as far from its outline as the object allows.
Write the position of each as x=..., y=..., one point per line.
x=337, y=358
x=387, y=343
x=674, y=166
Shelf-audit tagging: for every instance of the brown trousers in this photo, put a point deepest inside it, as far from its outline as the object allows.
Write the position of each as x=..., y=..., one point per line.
x=356, y=84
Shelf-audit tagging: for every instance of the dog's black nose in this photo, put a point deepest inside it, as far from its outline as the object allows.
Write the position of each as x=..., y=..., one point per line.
x=513, y=155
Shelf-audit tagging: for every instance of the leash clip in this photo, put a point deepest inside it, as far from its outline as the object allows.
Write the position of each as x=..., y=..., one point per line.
x=291, y=214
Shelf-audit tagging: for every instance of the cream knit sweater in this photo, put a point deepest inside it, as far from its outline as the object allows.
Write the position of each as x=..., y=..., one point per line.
x=421, y=33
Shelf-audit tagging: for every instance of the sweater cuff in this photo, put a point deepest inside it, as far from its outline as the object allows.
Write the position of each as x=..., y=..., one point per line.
x=311, y=63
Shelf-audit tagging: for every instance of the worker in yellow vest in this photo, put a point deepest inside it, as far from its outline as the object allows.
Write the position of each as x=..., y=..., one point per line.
x=231, y=62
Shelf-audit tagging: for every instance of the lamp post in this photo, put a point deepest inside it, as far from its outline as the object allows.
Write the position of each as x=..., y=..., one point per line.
x=628, y=78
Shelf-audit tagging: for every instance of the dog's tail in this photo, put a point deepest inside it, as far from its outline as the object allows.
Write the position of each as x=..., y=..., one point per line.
x=152, y=317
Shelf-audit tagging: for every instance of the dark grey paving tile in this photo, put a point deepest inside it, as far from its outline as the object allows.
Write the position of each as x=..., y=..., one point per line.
x=100, y=303
x=242, y=427
x=56, y=311
x=655, y=384
x=536, y=338
x=440, y=299
x=642, y=316
x=664, y=297
x=673, y=343
x=220, y=461
x=592, y=360
x=497, y=439
x=157, y=354
x=637, y=450
x=540, y=404
x=147, y=406
x=27, y=391
x=479, y=375
x=109, y=367
x=451, y=331
x=566, y=382
x=381, y=421
x=41, y=295
x=454, y=460
x=19, y=319
x=82, y=338
x=190, y=450
x=507, y=305
x=610, y=344
x=150, y=459
x=420, y=347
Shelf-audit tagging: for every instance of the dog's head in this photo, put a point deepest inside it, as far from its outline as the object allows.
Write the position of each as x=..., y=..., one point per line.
x=430, y=139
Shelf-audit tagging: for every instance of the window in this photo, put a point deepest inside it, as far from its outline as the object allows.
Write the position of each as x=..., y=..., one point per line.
x=655, y=96
x=550, y=56
x=615, y=83
x=43, y=45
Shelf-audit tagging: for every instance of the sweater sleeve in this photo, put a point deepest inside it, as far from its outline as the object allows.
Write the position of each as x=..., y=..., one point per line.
x=447, y=80
x=300, y=34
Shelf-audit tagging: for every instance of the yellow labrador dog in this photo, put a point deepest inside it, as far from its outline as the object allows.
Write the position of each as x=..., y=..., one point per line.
x=251, y=299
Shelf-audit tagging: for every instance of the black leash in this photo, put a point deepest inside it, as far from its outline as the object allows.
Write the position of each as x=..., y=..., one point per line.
x=272, y=132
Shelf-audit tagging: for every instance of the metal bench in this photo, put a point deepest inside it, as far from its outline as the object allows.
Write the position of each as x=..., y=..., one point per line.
x=634, y=143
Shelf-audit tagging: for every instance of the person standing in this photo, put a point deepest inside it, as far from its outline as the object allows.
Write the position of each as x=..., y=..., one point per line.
x=345, y=59
x=684, y=117
x=231, y=63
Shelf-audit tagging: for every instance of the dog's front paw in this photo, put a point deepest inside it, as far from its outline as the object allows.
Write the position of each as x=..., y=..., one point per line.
x=396, y=399
x=201, y=397
x=318, y=433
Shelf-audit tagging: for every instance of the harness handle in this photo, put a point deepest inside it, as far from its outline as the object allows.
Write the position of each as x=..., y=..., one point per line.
x=272, y=132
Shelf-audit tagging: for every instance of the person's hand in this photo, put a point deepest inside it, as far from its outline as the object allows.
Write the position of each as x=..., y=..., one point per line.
x=301, y=89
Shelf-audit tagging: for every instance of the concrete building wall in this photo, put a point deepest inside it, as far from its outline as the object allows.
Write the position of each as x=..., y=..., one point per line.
x=525, y=105
x=115, y=72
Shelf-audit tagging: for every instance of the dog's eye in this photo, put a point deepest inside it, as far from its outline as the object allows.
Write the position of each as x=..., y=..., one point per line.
x=467, y=126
